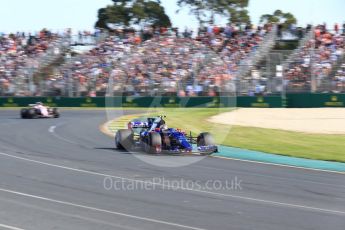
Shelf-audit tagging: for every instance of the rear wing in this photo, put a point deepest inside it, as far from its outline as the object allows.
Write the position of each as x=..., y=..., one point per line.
x=138, y=125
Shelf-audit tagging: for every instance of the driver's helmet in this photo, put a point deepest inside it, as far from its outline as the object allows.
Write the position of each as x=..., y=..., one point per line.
x=39, y=103
x=161, y=123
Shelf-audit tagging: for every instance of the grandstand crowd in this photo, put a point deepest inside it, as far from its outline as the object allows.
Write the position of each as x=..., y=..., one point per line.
x=161, y=61
x=166, y=63
x=21, y=52
x=338, y=80
x=317, y=59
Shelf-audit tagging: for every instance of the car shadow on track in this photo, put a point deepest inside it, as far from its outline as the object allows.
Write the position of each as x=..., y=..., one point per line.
x=114, y=149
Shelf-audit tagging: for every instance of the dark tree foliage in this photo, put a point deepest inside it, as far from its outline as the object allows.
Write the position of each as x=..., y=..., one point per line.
x=205, y=10
x=279, y=16
x=133, y=12
x=102, y=19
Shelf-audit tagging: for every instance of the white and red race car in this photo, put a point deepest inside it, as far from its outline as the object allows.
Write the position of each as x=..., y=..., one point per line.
x=38, y=110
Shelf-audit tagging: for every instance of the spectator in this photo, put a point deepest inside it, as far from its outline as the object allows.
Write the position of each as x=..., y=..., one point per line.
x=19, y=53
x=316, y=59
x=154, y=61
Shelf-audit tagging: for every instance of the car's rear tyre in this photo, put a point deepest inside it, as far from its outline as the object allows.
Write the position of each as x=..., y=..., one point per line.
x=205, y=139
x=124, y=139
x=23, y=113
x=154, y=145
x=56, y=113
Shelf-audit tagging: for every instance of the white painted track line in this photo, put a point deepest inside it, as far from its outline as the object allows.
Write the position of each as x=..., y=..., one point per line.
x=99, y=210
x=8, y=227
x=176, y=189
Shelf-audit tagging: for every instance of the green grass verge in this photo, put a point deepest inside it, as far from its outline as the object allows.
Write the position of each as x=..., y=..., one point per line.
x=312, y=146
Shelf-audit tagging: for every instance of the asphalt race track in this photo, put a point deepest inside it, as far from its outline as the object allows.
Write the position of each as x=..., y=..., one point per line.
x=57, y=174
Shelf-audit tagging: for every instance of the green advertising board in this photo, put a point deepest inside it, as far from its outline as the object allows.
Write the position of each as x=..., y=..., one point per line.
x=53, y=101
x=315, y=100
x=293, y=101
x=172, y=102
x=260, y=102
x=168, y=102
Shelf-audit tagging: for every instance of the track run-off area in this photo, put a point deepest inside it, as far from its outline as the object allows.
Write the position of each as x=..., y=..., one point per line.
x=65, y=174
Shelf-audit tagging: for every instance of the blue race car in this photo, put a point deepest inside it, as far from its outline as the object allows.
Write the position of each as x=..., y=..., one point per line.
x=153, y=136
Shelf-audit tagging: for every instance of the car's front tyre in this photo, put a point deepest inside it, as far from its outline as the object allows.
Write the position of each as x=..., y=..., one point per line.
x=154, y=143
x=205, y=139
x=56, y=113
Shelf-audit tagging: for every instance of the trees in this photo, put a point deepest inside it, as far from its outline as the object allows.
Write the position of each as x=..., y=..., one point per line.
x=133, y=12
x=279, y=16
x=205, y=10
x=240, y=16
x=154, y=14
